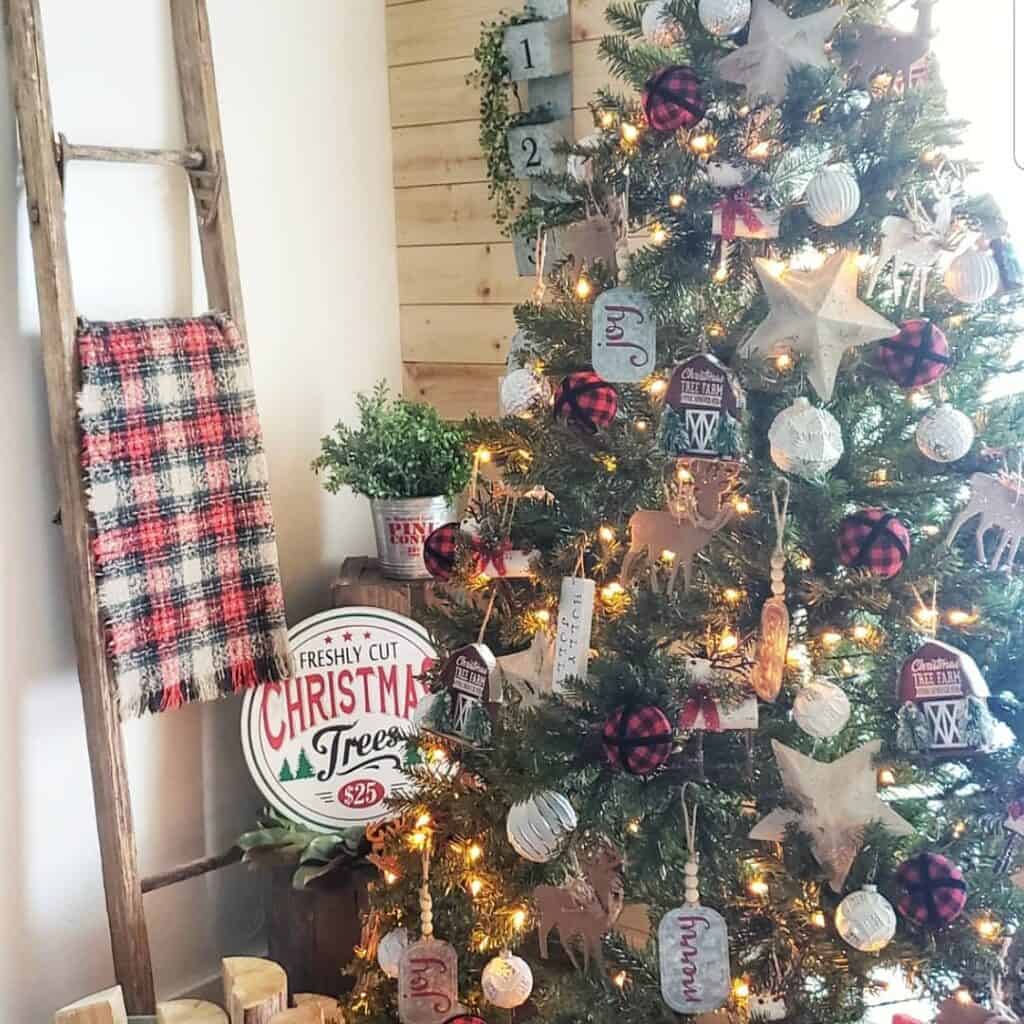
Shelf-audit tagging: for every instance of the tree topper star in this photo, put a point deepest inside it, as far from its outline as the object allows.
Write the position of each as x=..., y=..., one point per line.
x=817, y=314
x=777, y=44
x=837, y=801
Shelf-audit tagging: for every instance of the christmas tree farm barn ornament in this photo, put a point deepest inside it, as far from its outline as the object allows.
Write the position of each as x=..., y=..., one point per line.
x=836, y=802
x=816, y=314
x=693, y=945
x=703, y=410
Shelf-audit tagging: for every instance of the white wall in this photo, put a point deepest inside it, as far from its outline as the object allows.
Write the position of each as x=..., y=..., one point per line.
x=303, y=97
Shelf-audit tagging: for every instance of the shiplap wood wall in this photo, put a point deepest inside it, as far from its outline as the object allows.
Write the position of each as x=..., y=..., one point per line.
x=457, y=275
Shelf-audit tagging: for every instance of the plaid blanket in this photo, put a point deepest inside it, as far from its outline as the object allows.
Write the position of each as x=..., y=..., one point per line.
x=184, y=545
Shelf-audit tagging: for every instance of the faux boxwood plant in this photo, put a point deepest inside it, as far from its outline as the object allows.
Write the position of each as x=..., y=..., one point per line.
x=401, y=449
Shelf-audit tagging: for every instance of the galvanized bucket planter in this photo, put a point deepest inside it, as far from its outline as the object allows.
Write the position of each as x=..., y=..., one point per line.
x=401, y=526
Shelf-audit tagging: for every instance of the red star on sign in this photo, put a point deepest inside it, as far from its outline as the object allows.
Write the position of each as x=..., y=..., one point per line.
x=366, y=636
x=347, y=637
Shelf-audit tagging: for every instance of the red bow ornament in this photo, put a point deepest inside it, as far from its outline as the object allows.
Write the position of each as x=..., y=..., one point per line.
x=699, y=704
x=735, y=215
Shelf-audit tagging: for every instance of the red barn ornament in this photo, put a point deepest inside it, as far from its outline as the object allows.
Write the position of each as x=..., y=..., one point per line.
x=941, y=682
x=703, y=407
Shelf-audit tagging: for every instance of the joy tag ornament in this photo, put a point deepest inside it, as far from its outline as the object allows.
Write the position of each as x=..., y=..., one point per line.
x=623, y=336
x=572, y=640
x=703, y=406
x=473, y=681
x=693, y=946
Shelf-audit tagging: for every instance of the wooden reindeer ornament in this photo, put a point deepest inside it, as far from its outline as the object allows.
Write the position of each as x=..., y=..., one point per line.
x=997, y=501
x=585, y=909
x=883, y=48
x=920, y=241
x=700, y=510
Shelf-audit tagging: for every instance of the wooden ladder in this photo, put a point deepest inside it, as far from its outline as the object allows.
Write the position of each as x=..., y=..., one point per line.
x=45, y=157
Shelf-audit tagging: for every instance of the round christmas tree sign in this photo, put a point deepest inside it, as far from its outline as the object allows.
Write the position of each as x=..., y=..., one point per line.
x=327, y=748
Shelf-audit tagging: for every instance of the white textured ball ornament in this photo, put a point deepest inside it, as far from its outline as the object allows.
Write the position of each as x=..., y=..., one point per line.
x=833, y=196
x=521, y=390
x=821, y=709
x=973, y=276
x=805, y=440
x=866, y=920
x=944, y=434
x=507, y=981
x=537, y=827
x=723, y=17
x=390, y=950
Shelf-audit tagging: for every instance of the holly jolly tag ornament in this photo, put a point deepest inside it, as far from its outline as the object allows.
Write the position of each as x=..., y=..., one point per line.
x=572, y=638
x=693, y=945
x=428, y=969
x=623, y=336
x=770, y=663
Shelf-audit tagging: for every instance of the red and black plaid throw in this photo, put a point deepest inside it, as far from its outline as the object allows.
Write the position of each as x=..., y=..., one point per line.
x=184, y=545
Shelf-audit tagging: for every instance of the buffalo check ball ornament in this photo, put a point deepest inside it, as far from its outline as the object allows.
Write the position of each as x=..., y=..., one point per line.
x=672, y=99
x=637, y=740
x=934, y=890
x=815, y=314
x=440, y=550
x=776, y=45
x=586, y=401
x=874, y=539
x=916, y=356
x=836, y=802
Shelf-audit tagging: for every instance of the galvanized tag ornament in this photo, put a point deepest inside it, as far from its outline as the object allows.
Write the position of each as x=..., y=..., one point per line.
x=693, y=945
x=623, y=336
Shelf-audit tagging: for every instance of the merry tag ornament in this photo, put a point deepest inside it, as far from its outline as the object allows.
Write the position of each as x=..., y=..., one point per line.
x=623, y=336
x=693, y=946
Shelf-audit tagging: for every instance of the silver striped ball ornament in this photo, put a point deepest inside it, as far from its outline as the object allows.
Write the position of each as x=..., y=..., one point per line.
x=833, y=196
x=805, y=440
x=866, y=920
x=723, y=17
x=538, y=827
x=507, y=981
x=973, y=276
x=944, y=434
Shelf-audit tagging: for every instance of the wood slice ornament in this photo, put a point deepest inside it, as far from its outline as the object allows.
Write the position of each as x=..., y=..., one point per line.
x=189, y=1011
x=693, y=945
x=703, y=409
x=623, y=336
x=770, y=663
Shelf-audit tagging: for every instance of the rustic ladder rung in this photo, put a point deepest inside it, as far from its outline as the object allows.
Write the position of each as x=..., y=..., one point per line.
x=190, y=159
x=191, y=869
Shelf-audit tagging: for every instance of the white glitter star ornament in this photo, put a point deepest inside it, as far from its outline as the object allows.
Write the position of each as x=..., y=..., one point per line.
x=836, y=802
x=776, y=45
x=817, y=314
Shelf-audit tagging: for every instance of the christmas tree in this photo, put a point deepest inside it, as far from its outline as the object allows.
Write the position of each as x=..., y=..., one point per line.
x=786, y=731
x=303, y=769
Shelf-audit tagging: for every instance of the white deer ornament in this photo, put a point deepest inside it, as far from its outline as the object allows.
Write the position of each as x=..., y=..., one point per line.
x=920, y=241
